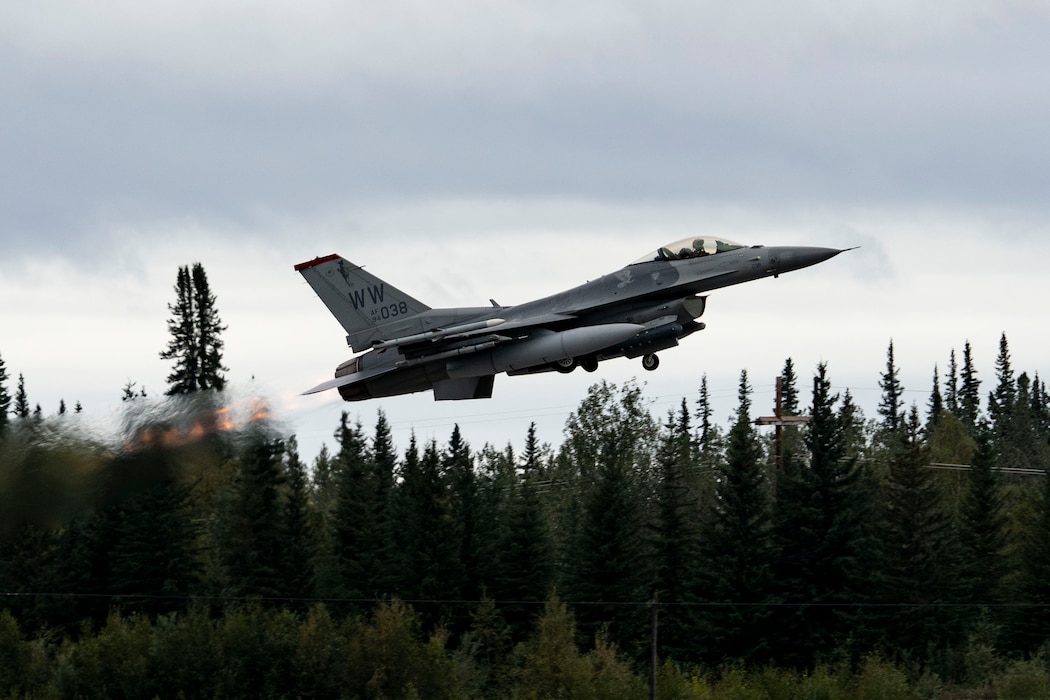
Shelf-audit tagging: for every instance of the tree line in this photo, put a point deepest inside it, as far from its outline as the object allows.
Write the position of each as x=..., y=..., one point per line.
x=845, y=550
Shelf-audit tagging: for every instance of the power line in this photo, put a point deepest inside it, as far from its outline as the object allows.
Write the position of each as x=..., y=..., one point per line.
x=496, y=602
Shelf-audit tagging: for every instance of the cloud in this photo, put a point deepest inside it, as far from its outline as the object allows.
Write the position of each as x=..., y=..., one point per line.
x=471, y=150
x=135, y=112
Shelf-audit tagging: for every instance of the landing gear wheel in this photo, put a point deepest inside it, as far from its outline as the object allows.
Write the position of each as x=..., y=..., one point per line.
x=589, y=364
x=565, y=366
x=650, y=362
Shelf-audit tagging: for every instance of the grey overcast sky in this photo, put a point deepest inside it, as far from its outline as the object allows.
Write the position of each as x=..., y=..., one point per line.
x=467, y=150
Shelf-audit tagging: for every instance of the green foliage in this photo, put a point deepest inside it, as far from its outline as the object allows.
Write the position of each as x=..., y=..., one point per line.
x=256, y=653
x=552, y=666
x=175, y=565
x=23, y=664
x=185, y=658
x=115, y=663
x=390, y=659
x=1024, y=679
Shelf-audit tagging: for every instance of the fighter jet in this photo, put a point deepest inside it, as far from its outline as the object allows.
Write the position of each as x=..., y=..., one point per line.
x=637, y=311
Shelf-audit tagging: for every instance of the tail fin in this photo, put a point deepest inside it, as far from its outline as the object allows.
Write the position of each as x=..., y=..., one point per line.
x=359, y=300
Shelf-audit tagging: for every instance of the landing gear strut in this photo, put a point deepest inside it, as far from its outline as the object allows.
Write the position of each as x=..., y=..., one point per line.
x=650, y=362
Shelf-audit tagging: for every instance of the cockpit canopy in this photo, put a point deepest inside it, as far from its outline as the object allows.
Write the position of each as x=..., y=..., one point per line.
x=690, y=248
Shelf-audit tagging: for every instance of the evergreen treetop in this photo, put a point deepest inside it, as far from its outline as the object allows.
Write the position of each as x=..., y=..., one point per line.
x=21, y=399
x=196, y=335
x=891, y=405
x=951, y=385
x=789, y=389
x=5, y=397
x=969, y=391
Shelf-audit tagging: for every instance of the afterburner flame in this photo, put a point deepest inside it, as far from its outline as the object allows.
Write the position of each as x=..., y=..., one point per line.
x=187, y=427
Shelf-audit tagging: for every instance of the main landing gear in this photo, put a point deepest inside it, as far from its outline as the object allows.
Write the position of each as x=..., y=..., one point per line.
x=590, y=364
x=567, y=365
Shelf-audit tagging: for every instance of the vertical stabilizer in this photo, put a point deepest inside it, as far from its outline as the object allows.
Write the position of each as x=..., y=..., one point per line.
x=359, y=300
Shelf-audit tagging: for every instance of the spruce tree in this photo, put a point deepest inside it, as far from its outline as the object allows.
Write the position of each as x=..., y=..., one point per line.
x=523, y=566
x=891, y=405
x=1030, y=612
x=607, y=571
x=209, y=333
x=384, y=466
x=153, y=560
x=1022, y=444
x=429, y=539
x=530, y=464
x=182, y=347
x=913, y=572
x=1040, y=409
x=951, y=386
x=969, y=391
x=703, y=413
x=936, y=404
x=737, y=549
x=195, y=328
x=458, y=467
x=1001, y=401
x=609, y=443
x=675, y=534
x=983, y=531
x=789, y=389
x=790, y=438
x=851, y=418
x=130, y=394
x=352, y=526
x=5, y=399
x=822, y=537
x=298, y=558
x=21, y=399
x=251, y=536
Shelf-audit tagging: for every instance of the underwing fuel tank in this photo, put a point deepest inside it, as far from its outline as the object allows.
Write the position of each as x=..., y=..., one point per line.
x=542, y=349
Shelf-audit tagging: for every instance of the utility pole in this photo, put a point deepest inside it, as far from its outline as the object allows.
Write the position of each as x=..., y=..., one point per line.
x=653, y=657
x=780, y=421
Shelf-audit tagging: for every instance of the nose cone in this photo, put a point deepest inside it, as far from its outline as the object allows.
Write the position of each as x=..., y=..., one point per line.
x=788, y=258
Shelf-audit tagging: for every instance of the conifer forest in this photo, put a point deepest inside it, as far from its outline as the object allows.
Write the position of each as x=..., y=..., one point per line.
x=904, y=554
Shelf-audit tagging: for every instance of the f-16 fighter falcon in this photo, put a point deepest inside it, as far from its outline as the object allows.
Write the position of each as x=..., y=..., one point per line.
x=640, y=309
